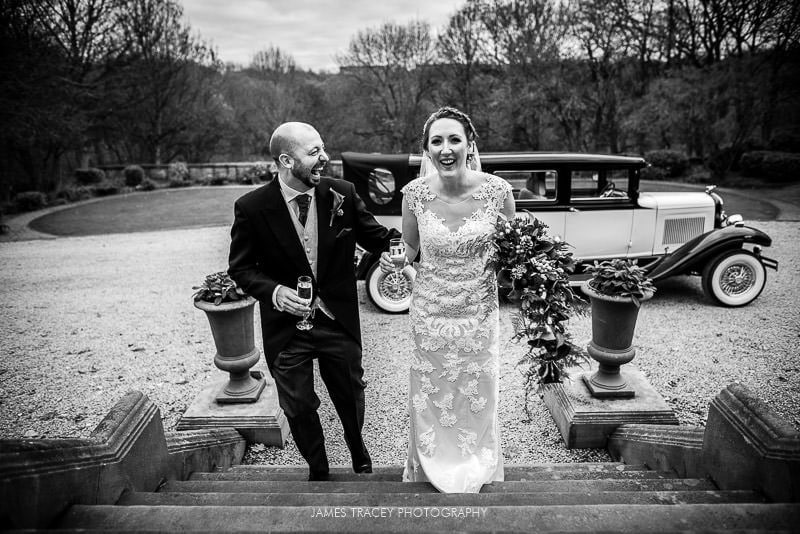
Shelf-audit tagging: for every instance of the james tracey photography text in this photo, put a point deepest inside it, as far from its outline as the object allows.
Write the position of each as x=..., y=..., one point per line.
x=364, y=512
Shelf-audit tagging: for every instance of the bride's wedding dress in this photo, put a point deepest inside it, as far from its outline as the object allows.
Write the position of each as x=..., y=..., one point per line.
x=454, y=439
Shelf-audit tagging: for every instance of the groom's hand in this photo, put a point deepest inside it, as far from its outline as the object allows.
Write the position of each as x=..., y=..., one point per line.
x=386, y=263
x=288, y=301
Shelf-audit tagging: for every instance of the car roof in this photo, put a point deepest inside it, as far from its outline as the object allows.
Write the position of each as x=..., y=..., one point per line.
x=550, y=157
x=493, y=158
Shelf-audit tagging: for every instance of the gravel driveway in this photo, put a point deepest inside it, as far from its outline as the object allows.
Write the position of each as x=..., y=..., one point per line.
x=87, y=319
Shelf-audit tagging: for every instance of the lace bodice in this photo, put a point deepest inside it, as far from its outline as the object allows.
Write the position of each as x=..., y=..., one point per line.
x=456, y=233
x=484, y=206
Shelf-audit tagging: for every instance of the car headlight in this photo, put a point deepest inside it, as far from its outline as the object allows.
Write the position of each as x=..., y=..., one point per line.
x=731, y=220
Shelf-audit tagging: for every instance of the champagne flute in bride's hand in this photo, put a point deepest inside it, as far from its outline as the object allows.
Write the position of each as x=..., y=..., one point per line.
x=397, y=253
x=304, y=292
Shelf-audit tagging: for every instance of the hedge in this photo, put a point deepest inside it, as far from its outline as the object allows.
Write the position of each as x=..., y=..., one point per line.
x=177, y=171
x=89, y=176
x=653, y=173
x=146, y=185
x=105, y=189
x=771, y=166
x=75, y=194
x=674, y=162
x=134, y=175
x=30, y=201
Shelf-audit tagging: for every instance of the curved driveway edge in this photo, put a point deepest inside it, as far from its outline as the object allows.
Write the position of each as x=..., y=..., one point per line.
x=19, y=226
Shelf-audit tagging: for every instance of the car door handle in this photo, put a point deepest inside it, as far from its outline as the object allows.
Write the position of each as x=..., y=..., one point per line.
x=574, y=210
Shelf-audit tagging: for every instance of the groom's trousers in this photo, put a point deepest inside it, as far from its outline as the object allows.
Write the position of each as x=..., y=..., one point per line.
x=339, y=358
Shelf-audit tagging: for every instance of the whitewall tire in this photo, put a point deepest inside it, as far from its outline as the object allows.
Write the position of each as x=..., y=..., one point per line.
x=390, y=292
x=734, y=278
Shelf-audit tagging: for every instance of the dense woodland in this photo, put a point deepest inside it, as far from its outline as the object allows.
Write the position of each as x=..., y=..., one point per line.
x=99, y=82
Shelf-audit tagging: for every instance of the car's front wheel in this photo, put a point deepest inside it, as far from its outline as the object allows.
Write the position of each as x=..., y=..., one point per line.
x=734, y=278
x=391, y=292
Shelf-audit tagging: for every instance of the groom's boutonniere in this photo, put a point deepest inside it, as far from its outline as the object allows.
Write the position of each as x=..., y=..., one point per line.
x=338, y=200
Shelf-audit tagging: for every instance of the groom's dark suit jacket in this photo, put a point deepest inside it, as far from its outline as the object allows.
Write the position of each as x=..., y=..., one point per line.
x=266, y=251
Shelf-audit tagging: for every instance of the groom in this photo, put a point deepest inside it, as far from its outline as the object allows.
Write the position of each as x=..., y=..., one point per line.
x=303, y=224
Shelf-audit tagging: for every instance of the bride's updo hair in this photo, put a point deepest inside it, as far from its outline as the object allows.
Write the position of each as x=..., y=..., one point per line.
x=448, y=113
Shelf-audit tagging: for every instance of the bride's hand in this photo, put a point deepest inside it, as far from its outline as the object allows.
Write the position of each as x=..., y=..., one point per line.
x=386, y=263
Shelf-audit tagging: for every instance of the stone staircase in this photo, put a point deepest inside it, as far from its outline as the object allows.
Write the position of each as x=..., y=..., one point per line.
x=582, y=497
x=739, y=473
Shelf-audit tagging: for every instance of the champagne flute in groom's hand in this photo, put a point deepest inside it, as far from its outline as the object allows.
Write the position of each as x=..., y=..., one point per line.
x=304, y=292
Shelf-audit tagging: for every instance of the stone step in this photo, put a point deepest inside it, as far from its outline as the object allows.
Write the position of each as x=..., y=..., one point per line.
x=261, y=531
x=291, y=486
x=575, y=518
x=398, y=469
x=437, y=499
x=561, y=472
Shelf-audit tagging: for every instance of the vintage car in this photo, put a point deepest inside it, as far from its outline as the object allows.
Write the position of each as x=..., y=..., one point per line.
x=592, y=202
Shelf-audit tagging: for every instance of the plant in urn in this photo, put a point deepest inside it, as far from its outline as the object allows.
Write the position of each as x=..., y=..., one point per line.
x=616, y=289
x=230, y=314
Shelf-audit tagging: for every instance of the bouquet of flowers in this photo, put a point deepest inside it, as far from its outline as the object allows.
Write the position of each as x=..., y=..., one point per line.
x=537, y=266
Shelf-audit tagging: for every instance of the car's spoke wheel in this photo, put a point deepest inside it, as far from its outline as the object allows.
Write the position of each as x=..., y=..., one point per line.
x=734, y=278
x=391, y=292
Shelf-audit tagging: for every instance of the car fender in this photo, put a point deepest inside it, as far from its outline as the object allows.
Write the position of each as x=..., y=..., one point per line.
x=696, y=252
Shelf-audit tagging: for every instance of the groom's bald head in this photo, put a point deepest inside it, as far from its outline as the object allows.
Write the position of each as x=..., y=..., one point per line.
x=285, y=138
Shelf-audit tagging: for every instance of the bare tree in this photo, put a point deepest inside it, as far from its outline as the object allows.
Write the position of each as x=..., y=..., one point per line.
x=707, y=31
x=525, y=32
x=392, y=66
x=57, y=55
x=645, y=24
x=272, y=61
x=603, y=42
x=526, y=40
x=783, y=42
x=463, y=53
x=169, y=76
x=87, y=32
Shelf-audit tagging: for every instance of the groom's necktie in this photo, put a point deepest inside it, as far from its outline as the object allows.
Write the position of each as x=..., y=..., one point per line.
x=302, y=202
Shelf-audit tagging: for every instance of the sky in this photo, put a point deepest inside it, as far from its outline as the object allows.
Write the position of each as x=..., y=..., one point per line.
x=311, y=31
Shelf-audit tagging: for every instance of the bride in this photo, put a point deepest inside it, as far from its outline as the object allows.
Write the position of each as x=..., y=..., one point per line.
x=449, y=215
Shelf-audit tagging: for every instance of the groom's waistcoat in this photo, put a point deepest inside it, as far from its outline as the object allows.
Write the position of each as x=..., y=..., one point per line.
x=308, y=235
x=309, y=239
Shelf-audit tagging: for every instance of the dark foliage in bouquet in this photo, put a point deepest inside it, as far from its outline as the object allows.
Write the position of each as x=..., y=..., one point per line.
x=538, y=267
x=218, y=288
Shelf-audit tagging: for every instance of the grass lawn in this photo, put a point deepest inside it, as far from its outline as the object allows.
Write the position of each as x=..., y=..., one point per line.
x=164, y=209
x=168, y=209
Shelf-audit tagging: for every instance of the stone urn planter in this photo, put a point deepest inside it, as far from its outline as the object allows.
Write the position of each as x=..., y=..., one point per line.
x=230, y=315
x=616, y=290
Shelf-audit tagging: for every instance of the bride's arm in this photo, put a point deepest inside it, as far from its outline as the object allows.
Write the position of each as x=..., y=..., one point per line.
x=509, y=210
x=410, y=237
x=410, y=232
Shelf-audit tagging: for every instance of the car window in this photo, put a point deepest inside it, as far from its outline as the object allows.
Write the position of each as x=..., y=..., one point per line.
x=618, y=177
x=381, y=186
x=592, y=184
x=531, y=185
